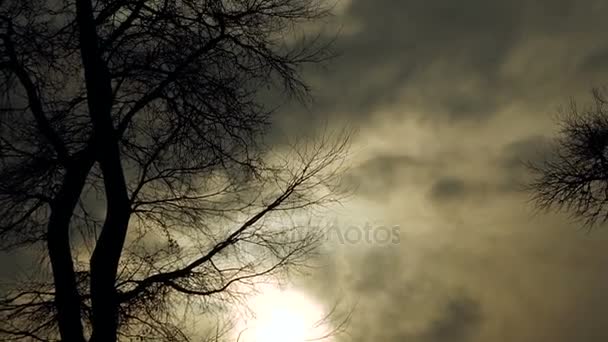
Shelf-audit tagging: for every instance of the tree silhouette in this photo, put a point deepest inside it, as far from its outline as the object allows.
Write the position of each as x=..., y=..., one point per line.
x=574, y=177
x=131, y=153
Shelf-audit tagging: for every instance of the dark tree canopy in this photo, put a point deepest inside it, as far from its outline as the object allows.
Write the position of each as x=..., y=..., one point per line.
x=131, y=154
x=574, y=177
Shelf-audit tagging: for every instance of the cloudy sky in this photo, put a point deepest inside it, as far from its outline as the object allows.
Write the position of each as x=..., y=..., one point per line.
x=448, y=98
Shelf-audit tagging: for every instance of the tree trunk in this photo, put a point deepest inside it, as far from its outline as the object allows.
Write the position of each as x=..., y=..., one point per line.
x=108, y=249
x=67, y=299
x=106, y=256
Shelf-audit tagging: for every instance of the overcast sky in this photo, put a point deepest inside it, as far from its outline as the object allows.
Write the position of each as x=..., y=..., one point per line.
x=448, y=97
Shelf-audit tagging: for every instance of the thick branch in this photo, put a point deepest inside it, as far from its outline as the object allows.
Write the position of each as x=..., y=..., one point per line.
x=218, y=248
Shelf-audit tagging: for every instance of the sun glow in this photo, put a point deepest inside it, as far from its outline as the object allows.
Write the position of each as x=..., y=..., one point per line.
x=283, y=316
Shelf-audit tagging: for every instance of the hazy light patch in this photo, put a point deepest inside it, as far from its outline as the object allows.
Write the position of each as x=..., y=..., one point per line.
x=277, y=315
x=402, y=133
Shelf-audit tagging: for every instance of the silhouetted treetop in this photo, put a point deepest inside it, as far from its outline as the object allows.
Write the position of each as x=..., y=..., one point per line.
x=574, y=177
x=132, y=154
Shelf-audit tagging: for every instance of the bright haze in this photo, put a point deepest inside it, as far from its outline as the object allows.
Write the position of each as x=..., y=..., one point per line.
x=449, y=98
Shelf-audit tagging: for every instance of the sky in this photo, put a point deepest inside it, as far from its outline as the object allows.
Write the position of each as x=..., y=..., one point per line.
x=448, y=98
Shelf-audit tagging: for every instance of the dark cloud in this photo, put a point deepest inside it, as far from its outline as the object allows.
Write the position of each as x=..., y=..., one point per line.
x=596, y=60
x=517, y=158
x=405, y=305
x=464, y=60
x=533, y=149
x=506, y=280
x=448, y=189
x=399, y=44
x=383, y=174
x=458, y=323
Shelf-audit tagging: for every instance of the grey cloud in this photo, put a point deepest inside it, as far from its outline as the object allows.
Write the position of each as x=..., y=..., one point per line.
x=483, y=267
x=447, y=60
x=382, y=174
x=380, y=268
x=411, y=303
x=392, y=173
x=517, y=156
x=508, y=173
x=458, y=323
x=403, y=304
x=400, y=43
x=596, y=60
x=448, y=188
x=532, y=149
x=505, y=281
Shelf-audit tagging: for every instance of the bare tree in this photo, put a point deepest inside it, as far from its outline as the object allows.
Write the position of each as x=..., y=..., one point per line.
x=574, y=177
x=131, y=154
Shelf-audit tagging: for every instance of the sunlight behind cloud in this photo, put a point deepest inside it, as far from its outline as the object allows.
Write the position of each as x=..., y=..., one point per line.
x=277, y=315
